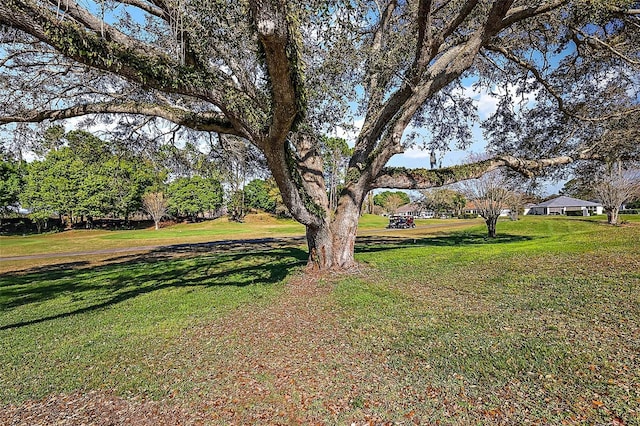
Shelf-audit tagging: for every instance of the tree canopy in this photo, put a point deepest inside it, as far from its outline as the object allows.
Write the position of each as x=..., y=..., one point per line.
x=391, y=200
x=443, y=200
x=194, y=196
x=11, y=182
x=85, y=178
x=280, y=73
x=257, y=195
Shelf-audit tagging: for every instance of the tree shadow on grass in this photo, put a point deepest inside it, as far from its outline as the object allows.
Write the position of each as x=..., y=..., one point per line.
x=444, y=239
x=57, y=269
x=86, y=287
x=83, y=289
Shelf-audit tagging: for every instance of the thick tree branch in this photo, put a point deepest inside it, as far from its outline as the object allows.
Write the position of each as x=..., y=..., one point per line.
x=425, y=23
x=402, y=105
x=150, y=8
x=75, y=42
x=521, y=13
x=402, y=178
x=149, y=69
x=275, y=37
x=444, y=70
x=70, y=8
x=458, y=19
x=602, y=44
x=278, y=36
x=374, y=149
x=208, y=122
x=497, y=13
x=145, y=67
x=376, y=83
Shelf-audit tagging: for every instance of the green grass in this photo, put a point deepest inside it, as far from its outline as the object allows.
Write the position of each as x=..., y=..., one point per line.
x=115, y=326
x=256, y=226
x=540, y=325
x=372, y=221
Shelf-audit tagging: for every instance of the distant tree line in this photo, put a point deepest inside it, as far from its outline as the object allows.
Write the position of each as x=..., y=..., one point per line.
x=78, y=178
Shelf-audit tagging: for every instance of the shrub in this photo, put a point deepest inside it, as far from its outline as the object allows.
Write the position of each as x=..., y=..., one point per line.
x=468, y=216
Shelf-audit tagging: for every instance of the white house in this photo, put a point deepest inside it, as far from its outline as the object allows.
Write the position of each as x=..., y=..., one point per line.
x=414, y=210
x=568, y=206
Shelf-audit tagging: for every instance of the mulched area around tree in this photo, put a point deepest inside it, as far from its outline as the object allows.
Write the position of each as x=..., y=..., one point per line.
x=290, y=362
x=95, y=408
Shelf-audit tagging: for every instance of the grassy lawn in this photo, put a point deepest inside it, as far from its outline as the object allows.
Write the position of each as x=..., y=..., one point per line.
x=541, y=325
x=55, y=248
x=255, y=226
x=69, y=327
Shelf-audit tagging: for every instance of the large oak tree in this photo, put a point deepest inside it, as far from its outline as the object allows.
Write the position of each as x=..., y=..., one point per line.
x=279, y=73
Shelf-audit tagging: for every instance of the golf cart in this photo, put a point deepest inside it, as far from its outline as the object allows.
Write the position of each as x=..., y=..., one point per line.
x=401, y=222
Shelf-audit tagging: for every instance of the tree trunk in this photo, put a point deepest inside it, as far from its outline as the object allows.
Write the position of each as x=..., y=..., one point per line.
x=157, y=226
x=330, y=249
x=320, y=243
x=612, y=216
x=331, y=235
x=331, y=245
x=491, y=226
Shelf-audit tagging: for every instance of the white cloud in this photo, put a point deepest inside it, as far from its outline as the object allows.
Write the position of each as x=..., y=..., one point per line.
x=416, y=153
x=487, y=100
x=487, y=104
x=350, y=135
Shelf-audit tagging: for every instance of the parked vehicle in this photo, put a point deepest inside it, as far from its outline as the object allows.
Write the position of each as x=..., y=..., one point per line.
x=401, y=222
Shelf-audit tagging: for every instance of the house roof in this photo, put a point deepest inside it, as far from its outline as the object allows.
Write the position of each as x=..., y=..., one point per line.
x=564, y=201
x=470, y=205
